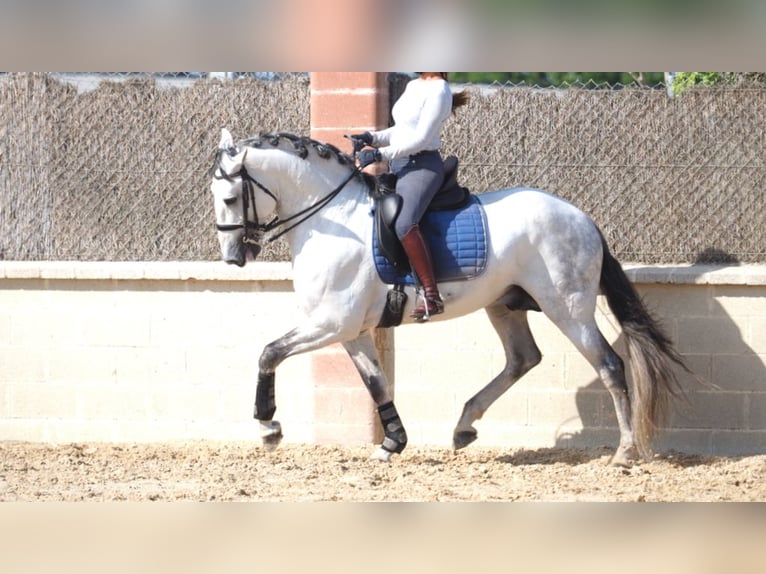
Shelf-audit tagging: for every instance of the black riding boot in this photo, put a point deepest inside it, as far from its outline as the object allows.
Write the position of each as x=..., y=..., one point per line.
x=420, y=258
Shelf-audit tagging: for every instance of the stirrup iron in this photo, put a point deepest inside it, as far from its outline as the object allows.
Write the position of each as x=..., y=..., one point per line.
x=428, y=303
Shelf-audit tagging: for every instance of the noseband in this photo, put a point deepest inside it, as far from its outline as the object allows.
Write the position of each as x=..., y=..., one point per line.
x=254, y=230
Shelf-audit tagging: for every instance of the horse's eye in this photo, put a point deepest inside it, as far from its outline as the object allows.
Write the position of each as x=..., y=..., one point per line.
x=230, y=200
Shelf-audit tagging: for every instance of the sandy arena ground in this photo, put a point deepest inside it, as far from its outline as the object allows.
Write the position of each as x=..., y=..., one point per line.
x=202, y=471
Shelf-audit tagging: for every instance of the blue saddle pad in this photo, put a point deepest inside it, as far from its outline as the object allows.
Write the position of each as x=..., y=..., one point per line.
x=458, y=242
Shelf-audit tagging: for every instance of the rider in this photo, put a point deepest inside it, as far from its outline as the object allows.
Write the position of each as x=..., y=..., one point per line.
x=411, y=146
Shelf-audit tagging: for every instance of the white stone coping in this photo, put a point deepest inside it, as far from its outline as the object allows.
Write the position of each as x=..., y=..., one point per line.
x=145, y=270
x=282, y=271
x=745, y=274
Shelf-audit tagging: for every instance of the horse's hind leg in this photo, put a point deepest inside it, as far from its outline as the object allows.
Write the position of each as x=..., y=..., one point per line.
x=521, y=354
x=588, y=339
x=365, y=357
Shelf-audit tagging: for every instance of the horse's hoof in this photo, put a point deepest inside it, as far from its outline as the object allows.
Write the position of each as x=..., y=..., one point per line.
x=271, y=434
x=620, y=462
x=271, y=443
x=624, y=458
x=381, y=455
x=462, y=439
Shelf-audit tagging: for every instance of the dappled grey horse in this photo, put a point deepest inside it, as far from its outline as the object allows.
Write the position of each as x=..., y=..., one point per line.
x=542, y=254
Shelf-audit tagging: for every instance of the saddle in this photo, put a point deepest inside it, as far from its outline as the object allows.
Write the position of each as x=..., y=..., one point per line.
x=388, y=205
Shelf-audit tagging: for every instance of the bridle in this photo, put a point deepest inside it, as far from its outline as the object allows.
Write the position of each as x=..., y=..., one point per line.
x=254, y=230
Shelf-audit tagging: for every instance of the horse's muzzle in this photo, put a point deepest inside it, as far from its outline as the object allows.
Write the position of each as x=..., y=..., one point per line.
x=246, y=251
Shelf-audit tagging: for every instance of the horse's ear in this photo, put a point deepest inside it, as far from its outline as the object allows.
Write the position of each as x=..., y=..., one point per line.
x=227, y=142
x=231, y=162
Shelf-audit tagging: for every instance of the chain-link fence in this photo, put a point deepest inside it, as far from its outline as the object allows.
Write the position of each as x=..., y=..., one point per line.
x=668, y=179
x=118, y=169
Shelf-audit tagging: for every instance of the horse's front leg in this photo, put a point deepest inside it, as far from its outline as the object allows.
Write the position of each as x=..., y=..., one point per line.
x=296, y=341
x=365, y=357
x=265, y=400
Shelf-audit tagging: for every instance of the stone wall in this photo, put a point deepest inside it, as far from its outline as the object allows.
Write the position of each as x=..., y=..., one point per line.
x=168, y=351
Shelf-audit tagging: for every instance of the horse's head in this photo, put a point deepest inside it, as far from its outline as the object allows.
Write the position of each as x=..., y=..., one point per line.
x=241, y=210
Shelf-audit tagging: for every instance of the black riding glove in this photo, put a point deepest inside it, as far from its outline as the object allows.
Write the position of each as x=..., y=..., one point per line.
x=360, y=141
x=368, y=156
x=365, y=138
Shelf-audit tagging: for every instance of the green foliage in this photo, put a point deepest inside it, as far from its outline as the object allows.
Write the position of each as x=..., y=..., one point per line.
x=557, y=79
x=682, y=81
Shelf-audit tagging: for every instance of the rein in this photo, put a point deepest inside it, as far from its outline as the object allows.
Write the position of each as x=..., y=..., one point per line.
x=254, y=230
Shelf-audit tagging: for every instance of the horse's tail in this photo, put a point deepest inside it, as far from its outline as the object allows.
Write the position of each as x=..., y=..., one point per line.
x=652, y=357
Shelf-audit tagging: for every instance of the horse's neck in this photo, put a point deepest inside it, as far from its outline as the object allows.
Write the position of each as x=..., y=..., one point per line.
x=310, y=188
x=302, y=186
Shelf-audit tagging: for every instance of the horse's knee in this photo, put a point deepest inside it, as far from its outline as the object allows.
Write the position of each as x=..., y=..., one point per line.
x=377, y=388
x=277, y=351
x=270, y=357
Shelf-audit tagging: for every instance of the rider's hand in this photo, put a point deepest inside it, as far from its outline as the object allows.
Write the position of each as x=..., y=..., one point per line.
x=365, y=139
x=368, y=156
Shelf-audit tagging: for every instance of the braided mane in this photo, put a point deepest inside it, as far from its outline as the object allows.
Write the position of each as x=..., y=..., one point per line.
x=300, y=145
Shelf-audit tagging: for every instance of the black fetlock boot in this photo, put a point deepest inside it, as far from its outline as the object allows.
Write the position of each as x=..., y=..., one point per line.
x=420, y=258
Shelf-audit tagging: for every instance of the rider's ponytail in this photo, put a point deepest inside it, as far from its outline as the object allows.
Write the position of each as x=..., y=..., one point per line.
x=459, y=99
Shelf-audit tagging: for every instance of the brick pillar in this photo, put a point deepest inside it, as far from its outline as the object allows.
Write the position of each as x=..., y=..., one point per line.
x=346, y=103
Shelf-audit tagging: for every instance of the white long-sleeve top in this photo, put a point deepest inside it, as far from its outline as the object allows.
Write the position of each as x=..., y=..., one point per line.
x=419, y=114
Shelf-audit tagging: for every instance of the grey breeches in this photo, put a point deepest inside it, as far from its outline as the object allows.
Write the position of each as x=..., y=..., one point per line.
x=419, y=177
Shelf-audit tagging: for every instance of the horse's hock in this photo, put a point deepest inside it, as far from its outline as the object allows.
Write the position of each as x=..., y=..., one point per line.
x=151, y=352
